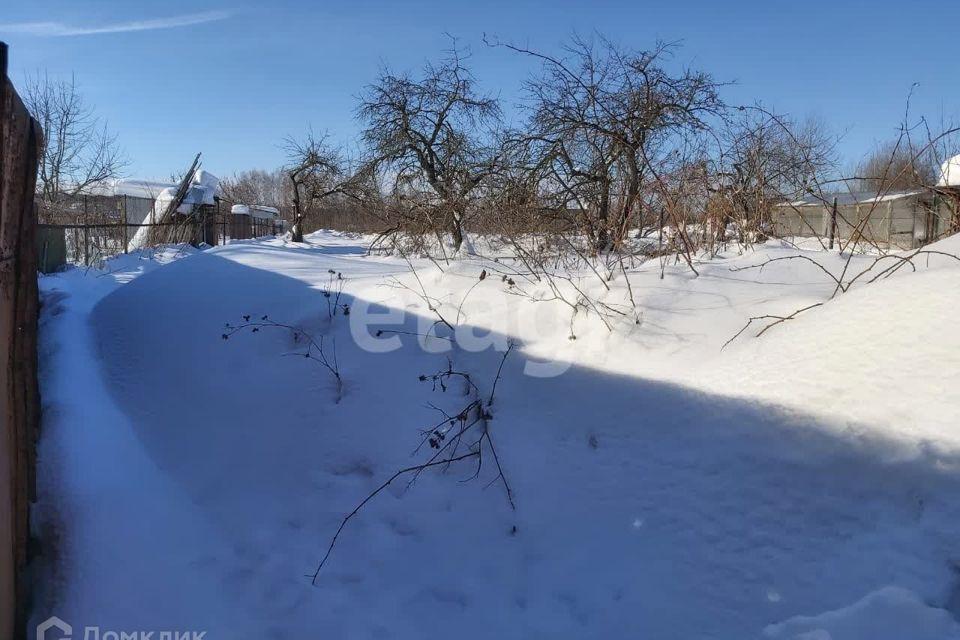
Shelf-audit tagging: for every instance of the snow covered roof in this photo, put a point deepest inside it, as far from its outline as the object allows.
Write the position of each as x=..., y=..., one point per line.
x=263, y=211
x=255, y=210
x=950, y=173
x=147, y=189
x=848, y=198
x=204, y=187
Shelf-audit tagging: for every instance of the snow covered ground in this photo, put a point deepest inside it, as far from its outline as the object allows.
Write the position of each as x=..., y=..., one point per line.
x=797, y=485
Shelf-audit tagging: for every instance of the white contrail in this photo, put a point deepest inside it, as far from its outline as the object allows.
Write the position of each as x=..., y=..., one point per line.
x=58, y=29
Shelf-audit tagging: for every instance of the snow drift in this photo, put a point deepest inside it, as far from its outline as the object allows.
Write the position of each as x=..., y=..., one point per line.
x=890, y=613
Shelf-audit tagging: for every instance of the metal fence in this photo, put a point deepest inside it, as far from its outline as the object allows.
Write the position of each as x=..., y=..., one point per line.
x=90, y=243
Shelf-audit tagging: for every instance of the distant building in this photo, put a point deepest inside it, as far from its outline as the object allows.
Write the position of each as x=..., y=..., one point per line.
x=891, y=219
x=897, y=219
x=254, y=221
x=134, y=198
x=198, y=201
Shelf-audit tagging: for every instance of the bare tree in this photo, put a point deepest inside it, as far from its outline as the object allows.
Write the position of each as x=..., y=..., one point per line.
x=607, y=118
x=257, y=186
x=766, y=159
x=433, y=135
x=897, y=166
x=318, y=170
x=78, y=150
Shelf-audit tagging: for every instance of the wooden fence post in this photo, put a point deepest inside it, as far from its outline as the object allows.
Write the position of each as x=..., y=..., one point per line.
x=19, y=396
x=833, y=222
x=86, y=234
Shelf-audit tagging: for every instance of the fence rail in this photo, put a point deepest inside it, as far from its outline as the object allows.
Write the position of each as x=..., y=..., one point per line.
x=91, y=243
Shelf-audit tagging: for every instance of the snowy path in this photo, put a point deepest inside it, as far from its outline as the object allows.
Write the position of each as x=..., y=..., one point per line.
x=121, y=533
x=198, y=479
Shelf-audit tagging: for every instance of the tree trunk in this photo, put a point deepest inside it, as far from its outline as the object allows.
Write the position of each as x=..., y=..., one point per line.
x=622, y=226
x=296, y=231
x=602, y=239
x=457, y=230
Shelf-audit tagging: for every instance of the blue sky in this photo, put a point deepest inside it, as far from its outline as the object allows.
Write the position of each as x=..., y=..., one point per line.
x=232, y=79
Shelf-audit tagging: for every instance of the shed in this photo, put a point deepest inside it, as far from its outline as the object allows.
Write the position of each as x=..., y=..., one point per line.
x=893, y=219
x=254, y=221
x=135, y=198
x=197, y=202
x=240, y=222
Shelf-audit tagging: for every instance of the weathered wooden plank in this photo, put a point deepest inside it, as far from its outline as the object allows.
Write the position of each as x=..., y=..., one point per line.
x=7, y=546
x=19, y=397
